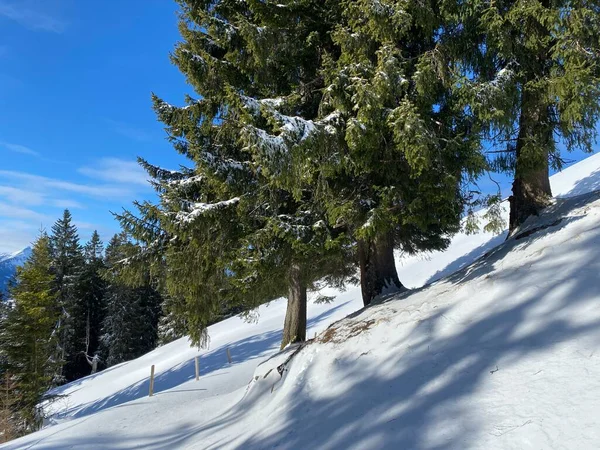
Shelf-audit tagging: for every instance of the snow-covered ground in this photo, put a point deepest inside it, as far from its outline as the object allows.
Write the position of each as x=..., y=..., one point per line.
x=500, y=353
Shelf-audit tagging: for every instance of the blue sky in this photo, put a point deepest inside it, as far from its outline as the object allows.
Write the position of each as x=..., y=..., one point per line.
x=75, y=111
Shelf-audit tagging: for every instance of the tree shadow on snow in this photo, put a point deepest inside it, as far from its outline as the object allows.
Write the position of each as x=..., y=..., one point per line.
x=418, y=396
x=257, y=346
x=429, y=380
x=587, y=184
x=475, y=263
x=465, y=260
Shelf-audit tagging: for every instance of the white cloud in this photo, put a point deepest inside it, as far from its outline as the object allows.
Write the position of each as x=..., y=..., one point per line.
x=118, y=171
x=67, y=204
x=29, y=15
x=21, y=196
x=17, y=148
x=27, y=197
x=15, y=235
x=40, y=183
x=36, y=200
x=13, y=211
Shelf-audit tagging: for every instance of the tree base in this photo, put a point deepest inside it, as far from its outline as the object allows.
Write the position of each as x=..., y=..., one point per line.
x=378, y=273
x=531, y=194
x=294, y=328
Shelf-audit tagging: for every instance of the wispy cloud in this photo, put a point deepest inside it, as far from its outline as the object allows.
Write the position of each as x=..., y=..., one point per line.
x=42, y=183
x=17, y=234
x=13, y=211
x=67, y=204
x=37, y=200
x=117, y=171
x=29, y=15
x=21, y=196
x=31, y=197
x=17, y=148
x=131, y=131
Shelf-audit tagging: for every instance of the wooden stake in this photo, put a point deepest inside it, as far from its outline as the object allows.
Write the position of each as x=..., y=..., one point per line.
x=151, y=381
x=197, y=368
x=228, y=355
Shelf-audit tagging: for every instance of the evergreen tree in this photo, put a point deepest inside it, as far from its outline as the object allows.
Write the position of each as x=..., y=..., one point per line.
x=10, y=425
x=29, y=335
x=530, y=72
x=390, y=147
x=130, y=326
x=172, y=324
x=9, y=419
x=89, y=309
x=67, y=263
x=227, y=234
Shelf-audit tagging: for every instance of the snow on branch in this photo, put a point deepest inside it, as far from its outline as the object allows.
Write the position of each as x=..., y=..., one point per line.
x=293, y=130
x=198, y=209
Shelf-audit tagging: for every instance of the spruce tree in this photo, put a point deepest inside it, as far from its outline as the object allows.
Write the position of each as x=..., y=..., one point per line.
x=29, y=338
x=172, y=324
x=390, y=148
x=227, y=233
x=9, y=417
x=530, y=73
x=89, y=309
x=130, y=325
x=67, y=263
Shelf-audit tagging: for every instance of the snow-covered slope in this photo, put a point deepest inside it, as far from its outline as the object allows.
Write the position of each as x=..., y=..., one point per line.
x=504, y=353
x=9, y=264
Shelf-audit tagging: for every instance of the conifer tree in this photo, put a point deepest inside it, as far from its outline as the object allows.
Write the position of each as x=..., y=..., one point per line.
x=172, y=324
x=130, y=326
x=29, y=336
x=389, y=147
x=227, y=232
x=67, y=263
x=9, y=420
x=89, y=309
x=532, y=73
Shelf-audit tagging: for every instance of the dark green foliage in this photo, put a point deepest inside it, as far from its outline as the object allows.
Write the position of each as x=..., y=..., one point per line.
x=226, y=231
x=67, y=265
x=390, y=148
x=29, y=338
x=529, y=72
x=172, y=324
x=398, y=146
x=89, y=309
x=130, y=326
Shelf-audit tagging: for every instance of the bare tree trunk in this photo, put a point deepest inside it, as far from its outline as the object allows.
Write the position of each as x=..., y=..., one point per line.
x=294, y=328
x=531, y=186
x=378, y=273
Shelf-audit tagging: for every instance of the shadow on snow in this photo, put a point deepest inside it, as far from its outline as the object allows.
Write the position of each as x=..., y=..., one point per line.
x=253, y=347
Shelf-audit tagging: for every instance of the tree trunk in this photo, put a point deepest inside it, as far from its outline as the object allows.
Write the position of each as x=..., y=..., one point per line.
x=531, y=186
x=294, y=328
x=378, y=273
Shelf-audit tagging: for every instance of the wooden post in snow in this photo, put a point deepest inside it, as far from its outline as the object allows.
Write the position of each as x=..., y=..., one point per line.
x=228, y=355
x=151, y=381
x=197, y=368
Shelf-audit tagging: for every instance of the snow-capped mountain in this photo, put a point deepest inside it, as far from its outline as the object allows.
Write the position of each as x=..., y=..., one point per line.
x=9, y=264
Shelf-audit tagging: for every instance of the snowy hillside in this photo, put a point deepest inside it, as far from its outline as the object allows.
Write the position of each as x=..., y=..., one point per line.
x=500, y=352
x=9, y=264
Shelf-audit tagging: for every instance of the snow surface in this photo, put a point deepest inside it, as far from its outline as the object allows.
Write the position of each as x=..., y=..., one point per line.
x=500, y=352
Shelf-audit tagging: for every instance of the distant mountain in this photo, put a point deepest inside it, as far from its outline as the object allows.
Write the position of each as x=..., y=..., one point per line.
x=8, y=266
